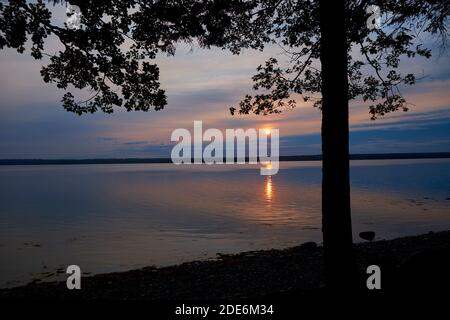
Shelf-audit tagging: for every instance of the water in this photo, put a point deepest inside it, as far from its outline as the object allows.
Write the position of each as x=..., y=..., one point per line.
x=108, y=218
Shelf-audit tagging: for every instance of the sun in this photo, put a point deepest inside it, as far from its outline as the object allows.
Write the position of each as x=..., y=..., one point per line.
x=267, y=131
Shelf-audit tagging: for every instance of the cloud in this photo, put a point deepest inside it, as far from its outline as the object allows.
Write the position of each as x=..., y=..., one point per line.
x=201, y=85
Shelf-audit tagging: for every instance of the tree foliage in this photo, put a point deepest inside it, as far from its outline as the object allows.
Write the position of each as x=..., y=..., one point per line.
x=113, y=54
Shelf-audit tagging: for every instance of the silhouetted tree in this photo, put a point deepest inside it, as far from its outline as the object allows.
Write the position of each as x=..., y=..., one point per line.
x=340, y=264
x=334, y=57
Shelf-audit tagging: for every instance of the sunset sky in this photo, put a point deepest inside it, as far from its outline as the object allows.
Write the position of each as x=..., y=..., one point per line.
x=202, y=85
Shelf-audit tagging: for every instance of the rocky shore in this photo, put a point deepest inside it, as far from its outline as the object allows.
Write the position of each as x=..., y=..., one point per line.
x=408, y=263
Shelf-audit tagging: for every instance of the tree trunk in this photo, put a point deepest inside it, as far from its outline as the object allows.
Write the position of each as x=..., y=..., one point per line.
x=340, y=267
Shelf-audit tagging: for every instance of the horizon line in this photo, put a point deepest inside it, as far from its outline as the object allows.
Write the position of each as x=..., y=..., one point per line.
x=317, y=157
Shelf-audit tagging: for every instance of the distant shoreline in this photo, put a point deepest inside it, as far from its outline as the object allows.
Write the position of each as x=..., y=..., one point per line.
x=373, y=156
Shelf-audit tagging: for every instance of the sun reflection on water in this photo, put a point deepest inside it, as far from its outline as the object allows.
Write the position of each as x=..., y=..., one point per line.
x=269, y=189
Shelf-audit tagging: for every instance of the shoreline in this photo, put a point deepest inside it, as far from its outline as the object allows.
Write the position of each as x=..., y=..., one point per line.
x=258, y=274
x=369, y=156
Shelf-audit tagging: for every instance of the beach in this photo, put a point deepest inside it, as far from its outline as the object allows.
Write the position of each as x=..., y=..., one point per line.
x=409, y=263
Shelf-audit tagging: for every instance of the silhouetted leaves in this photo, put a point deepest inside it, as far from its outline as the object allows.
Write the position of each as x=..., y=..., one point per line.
x=373, y=76
x=111, y=54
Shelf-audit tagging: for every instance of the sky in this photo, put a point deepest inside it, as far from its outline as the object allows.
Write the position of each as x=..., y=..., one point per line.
x=202, y=85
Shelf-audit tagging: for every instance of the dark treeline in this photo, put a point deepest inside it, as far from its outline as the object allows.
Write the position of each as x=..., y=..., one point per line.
x=373, y=156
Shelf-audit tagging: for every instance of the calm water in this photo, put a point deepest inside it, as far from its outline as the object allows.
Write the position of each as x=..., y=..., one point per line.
x=108, y=218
